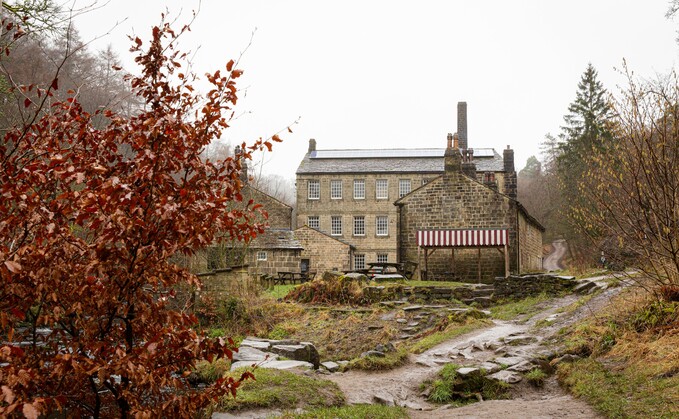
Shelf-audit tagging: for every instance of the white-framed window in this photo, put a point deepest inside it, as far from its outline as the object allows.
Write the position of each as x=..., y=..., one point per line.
x=335, y=189
x=314, y=189
x=359, y=188
x=382, y=258
x=359, y=262
x=359, y=225
x=313, y=221
x=381, y=189
x=403, y=187
x=261, y=255
x=382, y=225
x=336, y=225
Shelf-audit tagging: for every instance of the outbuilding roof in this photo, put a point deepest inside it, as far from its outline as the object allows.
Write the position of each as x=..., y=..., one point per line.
x=418, y=160
x=276, y=239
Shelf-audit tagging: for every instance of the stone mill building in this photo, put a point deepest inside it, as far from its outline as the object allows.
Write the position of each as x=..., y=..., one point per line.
x=452, y=210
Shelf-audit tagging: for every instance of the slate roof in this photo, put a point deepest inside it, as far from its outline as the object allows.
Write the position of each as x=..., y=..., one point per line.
x=390, y=161
x=276, y=239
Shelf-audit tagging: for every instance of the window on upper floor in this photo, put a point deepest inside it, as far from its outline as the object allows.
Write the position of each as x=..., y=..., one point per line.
x=314, y=189
x=359, y=189
x=381, y=189
x=403, y=187
x=335, y=189
x=359, y=225
x=382, y=225
x=261, y=256
x=336, y=225
x=313, y=221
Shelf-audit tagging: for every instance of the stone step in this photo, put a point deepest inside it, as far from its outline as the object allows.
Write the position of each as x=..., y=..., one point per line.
x=483, y=292
x=584, y=287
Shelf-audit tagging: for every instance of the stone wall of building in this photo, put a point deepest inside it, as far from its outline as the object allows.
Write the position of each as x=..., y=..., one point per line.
x=530, y=245
x=277, y=260
x=456, y=201
x=347, y=207
x=324, y=252
x=280, y=214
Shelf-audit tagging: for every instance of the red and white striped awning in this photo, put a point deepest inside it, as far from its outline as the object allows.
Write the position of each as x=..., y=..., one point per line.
x=462, y=237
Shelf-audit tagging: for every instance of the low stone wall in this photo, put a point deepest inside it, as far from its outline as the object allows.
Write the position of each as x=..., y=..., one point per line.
x=424, y=293
x=530, y=285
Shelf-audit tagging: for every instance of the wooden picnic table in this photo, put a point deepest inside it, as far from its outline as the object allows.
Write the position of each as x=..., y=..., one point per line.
x=384, y=267
x=293, y=277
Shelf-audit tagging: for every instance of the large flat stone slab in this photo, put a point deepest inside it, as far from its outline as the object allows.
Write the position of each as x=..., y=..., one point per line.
x=509, y=360
x=250, y=354
x=509, y=377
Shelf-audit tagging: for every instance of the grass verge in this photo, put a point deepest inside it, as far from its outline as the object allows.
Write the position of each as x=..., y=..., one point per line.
x=632, y=369
x=281, y=390
x=451, y=331
x=627, y=393
x=512, y=309
x=279, y=291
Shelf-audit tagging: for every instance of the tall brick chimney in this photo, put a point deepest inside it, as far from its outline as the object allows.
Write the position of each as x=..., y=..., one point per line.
x=452, y=158
x=510, y=173
x=312, y=145
x=462, y=124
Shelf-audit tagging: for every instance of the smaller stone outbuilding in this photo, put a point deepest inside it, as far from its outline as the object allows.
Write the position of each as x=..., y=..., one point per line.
x=274, y=251
x=322, y=252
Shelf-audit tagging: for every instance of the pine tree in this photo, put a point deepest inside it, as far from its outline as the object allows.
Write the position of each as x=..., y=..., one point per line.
x=587, y=129
x=587, y=123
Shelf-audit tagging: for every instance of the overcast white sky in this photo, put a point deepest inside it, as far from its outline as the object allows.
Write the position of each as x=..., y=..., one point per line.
x=389, y=74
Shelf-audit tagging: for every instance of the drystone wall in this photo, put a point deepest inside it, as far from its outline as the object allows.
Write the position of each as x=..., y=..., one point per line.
x=517, y=287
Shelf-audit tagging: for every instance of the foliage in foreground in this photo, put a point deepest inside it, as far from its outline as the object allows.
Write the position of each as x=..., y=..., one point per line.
x=334, y=290
x=632, y=366
x=281, y=390
x=89, y=219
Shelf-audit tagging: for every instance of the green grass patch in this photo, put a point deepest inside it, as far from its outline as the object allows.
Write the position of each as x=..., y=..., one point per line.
x=451, y=387
x=513, y=309
x=282, y=390
x=576, y=305
x=627, y=393
x=209, y=372
x=390, y=361
x=453, y=330
x=280, y=291
x=536, y=377
x=359, y=411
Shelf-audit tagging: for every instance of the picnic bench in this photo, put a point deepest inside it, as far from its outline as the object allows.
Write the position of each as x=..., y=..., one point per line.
x=293, y=277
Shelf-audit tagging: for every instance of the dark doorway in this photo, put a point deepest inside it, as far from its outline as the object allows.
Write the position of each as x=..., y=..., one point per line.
x=304, y=265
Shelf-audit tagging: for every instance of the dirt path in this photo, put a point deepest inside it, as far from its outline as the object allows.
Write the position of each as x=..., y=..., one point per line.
x=553, y=261
x=402, y=386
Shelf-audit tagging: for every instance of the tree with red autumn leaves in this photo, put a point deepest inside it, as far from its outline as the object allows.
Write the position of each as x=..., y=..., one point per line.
x=89, y=222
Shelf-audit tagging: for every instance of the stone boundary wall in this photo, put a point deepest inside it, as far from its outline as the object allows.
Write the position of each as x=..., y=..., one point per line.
x=424, y=293
x=523, y=286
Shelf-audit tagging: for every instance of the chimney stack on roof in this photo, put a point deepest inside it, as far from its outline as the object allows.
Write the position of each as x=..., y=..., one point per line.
x=462, y=123
x=312, y=145
x=510, y=173
x=452, y=159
